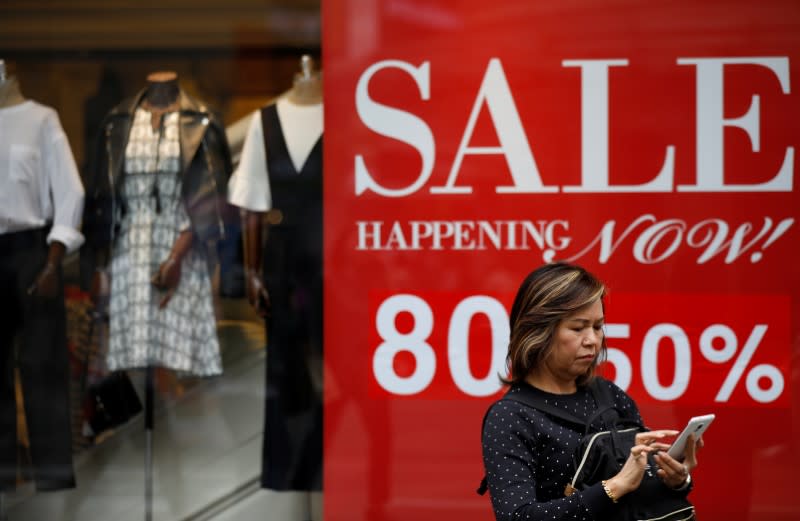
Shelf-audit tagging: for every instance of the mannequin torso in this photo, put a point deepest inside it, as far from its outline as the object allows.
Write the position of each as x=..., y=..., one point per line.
x=300, y=112
x=161, y=96
x=10, y=94
x=302, y=126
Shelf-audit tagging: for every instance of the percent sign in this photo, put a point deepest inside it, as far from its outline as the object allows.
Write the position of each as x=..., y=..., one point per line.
x=727, y=352
x=683, y=361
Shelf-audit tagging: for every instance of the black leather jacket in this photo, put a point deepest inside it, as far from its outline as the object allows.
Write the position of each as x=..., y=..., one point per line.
x=206, y=167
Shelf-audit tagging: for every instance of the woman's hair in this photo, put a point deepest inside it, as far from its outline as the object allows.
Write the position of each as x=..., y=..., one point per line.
x=546, y=297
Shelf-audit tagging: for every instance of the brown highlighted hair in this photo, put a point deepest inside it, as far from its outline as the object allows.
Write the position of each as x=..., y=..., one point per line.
x=547, y=296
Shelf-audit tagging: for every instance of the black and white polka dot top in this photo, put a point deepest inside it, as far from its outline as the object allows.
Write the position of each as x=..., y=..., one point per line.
x=527, y=456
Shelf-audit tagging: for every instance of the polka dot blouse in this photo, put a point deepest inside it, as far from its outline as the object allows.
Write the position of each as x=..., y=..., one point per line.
x=527, y=456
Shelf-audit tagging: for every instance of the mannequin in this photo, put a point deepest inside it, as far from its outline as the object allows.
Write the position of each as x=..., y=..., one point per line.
x=41, y=201
x=306, y=92
x=169, y=160
x=279, y=180
x=9, y=87
x=162, y=95
x=46, y=281
x=307, y=86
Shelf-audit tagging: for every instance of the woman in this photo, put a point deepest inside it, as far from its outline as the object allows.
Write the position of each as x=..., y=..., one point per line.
x=556, y=342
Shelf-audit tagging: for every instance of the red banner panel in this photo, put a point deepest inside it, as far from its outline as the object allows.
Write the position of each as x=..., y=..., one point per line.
x=467, y=143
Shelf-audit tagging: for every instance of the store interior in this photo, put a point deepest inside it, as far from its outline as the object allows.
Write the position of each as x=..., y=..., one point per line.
x=82, y=58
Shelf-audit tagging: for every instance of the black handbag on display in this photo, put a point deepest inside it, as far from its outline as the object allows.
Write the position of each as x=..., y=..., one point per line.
x=111, y=402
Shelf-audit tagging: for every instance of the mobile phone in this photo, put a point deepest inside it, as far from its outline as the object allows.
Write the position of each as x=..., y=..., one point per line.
x=697, y=425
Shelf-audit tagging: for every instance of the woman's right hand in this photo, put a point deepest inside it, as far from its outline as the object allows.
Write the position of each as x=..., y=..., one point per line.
x=630, y=475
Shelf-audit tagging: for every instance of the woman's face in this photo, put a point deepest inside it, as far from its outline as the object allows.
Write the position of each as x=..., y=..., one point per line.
x=577, y=342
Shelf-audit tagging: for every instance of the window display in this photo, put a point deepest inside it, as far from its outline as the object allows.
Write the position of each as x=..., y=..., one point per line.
x=154, y=298
x=280, y=172
x=41, y=200
x=162, y=166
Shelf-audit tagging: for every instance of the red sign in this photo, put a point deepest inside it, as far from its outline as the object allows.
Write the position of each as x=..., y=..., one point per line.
x=467, y=143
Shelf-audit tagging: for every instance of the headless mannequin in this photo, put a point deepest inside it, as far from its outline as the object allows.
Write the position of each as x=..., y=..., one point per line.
x=162, y=95
x=10, y=94
x=306, y=91
x=300, y=117
x=307, y=86
x=46, y=283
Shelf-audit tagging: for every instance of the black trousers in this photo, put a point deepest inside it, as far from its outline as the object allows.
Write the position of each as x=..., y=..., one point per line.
x=41, y=356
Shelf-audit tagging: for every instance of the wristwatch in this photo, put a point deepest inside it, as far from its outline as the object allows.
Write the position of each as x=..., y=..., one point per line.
x=686, y=484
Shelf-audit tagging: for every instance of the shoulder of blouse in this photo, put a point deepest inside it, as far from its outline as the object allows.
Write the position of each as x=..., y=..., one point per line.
x=505, y=408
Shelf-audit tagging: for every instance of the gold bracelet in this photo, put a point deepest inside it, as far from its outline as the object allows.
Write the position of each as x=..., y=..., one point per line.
x=608, y=491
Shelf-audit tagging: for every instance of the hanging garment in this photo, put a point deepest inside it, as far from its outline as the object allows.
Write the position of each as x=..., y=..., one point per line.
x=41, y=199
x=292, y=452
x=183, y=335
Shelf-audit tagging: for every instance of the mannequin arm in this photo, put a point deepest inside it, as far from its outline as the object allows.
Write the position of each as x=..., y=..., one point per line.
x=46, y=283
x=168, y=275
x=256, y=292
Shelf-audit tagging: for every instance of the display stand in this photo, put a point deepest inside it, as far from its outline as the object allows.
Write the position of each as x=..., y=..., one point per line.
x=148, y=450
x=2, y=496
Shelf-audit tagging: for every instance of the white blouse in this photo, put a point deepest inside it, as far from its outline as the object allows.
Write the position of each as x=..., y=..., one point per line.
x=39, y=181
x=302, y=125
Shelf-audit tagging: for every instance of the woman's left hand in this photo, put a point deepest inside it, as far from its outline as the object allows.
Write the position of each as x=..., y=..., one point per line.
x=653, y=438
x=673, y=472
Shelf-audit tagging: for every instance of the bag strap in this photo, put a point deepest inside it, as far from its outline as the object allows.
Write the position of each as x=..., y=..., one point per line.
x=605, y=404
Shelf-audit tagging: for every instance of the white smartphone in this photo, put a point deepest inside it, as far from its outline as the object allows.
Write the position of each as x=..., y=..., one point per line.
x=697, y=426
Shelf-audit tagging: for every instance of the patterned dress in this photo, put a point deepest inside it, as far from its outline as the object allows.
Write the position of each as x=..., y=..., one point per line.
x=183, y=335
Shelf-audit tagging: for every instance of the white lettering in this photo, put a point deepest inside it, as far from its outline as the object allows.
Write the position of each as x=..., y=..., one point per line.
x=711, y=123
x=644, y=249
x=496, y=94
x=397, y=124
x=606, y=239
x=654, y=242
x=369, y=239
x=594, y=135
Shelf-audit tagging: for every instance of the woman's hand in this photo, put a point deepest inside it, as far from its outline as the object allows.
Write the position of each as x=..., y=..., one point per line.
x=630, y=475
x=651, y=438
x=674, y=472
